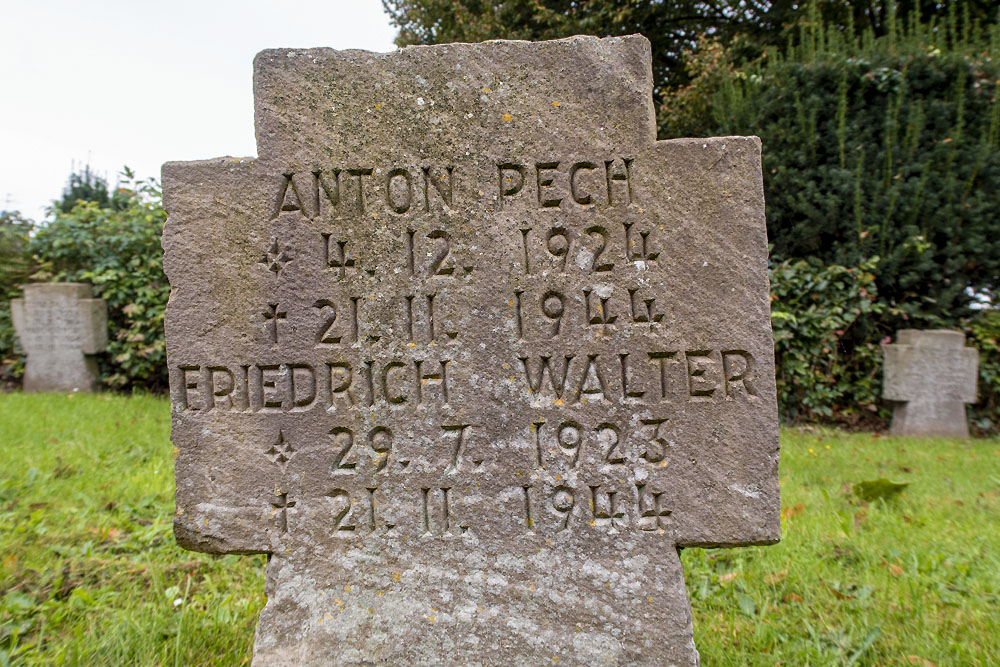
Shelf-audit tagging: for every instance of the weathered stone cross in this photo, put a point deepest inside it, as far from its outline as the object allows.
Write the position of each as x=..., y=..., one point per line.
x=526, y=356
x=61, y=326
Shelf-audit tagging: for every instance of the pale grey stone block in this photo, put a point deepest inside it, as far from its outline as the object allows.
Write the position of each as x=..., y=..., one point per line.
x=930, y=376
x=60, y=327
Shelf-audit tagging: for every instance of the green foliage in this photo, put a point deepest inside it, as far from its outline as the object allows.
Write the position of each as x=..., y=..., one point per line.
x=15, y=267
x=670, y=26
x=826, y=363
x=879, y=17
x=117, y=249
x=984, y=330
x=913, y=581
x=83, y=186
x=873, y=146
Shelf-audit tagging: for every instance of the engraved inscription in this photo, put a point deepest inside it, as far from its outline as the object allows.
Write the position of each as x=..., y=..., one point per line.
x=333, y=192
x=653, y=515
x=581, y=285
x=342, y=508
x=336, y=255
x=435, y=513
x=551, y=184
x=562, y=501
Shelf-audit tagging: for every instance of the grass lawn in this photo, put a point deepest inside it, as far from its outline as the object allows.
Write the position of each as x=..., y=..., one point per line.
x=90, y=572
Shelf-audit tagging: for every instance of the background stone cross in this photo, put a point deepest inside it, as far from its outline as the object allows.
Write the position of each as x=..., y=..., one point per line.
x=930, y=375
x=526, y=355
x=60, y=326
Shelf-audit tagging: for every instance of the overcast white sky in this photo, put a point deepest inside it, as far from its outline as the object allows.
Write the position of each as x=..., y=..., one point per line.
x=116, y=83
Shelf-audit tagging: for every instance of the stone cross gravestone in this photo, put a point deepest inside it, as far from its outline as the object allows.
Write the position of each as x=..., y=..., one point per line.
x=471, y=355
x=60, y=326
x=930, y=376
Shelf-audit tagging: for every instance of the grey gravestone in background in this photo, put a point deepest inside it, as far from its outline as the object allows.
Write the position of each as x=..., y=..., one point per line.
x=930, y=375
x=471, y=354
x=60, y=325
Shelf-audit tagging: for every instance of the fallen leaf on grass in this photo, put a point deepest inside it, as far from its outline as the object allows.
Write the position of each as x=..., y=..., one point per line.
x=837, y=594
x=873, y=489
x=917, y=660
x=729, y=576
x=792, y=597
x=895, y=570
x=747, y=605
x=776, y=577
x=106, y=533
x=792, y=511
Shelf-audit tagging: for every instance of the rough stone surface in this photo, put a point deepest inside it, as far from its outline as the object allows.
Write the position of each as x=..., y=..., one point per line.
x=60, y=326
x=930, y=376
x=471, y=354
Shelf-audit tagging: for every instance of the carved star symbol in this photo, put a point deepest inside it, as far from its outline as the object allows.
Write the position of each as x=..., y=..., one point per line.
x=281, y=452
x=276, y=257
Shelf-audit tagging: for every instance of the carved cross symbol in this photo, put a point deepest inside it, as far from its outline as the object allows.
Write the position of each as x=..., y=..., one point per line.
x=272, y=316
x=281, y=452
x=275, y=257
x=281, y=507
x=652, y=514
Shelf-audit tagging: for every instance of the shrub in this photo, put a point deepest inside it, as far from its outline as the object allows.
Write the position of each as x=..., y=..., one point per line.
x=984, y=330
x=15, y=267
x=827, y=365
